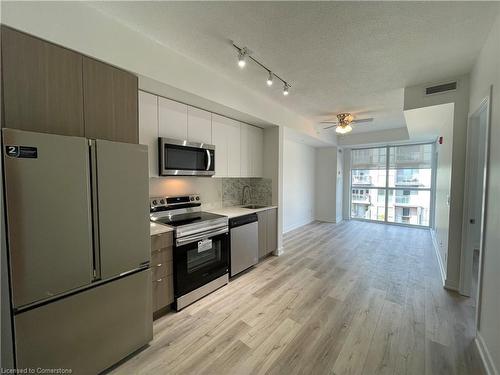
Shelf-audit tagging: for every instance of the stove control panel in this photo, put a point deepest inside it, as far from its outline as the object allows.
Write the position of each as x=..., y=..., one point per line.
x=160, y=203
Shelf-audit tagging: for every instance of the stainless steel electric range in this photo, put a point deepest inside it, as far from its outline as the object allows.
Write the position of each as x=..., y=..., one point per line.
x=201, y=246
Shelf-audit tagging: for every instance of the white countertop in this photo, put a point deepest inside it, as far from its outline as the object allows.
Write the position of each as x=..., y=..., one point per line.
x=230, y=212
x=235, y=211
x=159, y=228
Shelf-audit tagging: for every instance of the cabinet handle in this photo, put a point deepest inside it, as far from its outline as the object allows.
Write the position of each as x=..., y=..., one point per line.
x=159, y=280
x=159, y=265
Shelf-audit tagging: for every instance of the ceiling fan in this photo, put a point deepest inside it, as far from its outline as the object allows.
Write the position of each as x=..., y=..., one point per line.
x=344, y=121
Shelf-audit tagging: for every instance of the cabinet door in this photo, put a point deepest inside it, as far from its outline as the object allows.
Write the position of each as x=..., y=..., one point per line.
x=199, y=126
x=256, y=152
x=172, y=119
x=272, y=230
x=245, y=151
x=233, y=148
x=262, y=216
x=219, y=139
x=42, y=85
x=148, y=128
x=110, y=97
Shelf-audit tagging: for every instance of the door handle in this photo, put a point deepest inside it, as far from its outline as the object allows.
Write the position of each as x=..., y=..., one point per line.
x=209, y=157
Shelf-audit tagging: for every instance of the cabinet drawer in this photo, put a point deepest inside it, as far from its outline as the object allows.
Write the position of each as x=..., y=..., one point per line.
x=160, y=241
x=163, y=292
x=162, y=255
x=162, y=269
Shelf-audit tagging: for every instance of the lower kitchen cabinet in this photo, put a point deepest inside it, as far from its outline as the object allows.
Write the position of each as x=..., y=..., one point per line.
x=162, y=270
x=268, y=231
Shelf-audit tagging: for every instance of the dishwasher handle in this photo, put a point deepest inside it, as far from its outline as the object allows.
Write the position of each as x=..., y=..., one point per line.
x=242, y=220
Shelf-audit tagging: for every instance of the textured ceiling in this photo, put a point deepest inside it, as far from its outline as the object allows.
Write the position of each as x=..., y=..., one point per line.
x=338, y=56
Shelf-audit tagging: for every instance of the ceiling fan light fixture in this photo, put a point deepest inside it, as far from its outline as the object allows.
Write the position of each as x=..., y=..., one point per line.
x=343, y=129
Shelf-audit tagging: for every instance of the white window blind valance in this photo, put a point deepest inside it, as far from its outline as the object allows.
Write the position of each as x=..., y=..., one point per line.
x=411, y=156
x=369, y=158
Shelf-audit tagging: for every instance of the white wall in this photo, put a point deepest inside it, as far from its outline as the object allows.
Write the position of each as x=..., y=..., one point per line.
x=381, y=136
x=340, y=186
x=486, y=72
x=326, y=184
x=298, y=184
x=450, y=173
x=346, y=193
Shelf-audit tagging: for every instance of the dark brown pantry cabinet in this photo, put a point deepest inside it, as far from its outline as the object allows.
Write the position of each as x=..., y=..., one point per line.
x=111, y=99
x=42, y=85
x=51, y=89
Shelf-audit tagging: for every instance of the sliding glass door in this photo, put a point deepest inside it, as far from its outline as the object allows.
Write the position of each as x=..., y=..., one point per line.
x=392, y=184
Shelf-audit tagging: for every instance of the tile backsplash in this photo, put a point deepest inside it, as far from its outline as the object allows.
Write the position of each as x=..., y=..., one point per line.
x=232, y=191
x=214, y=192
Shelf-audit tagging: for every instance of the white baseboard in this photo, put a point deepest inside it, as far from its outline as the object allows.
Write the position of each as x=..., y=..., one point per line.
x=339, y=220
x=438, y=256
x=278, y=252
x=298, y=225
x=485, y=355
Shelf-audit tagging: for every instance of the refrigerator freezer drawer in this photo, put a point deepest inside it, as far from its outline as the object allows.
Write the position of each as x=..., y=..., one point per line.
x=89, y=331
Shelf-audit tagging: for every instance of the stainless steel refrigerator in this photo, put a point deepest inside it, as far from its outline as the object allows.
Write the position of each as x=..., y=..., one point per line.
x=79, y=249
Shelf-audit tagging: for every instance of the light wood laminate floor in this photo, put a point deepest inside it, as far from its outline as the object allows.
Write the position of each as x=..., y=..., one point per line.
x=351, y=298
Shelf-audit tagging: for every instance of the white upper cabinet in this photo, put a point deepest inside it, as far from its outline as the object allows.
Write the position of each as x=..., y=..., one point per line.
x=256, y=151
x=148, y=128
x=252, y=147
x=172, y=119
x=238, y=146
x=245, y=151
x=219, y=139
x=226, y=138
x=199, y=127
x=233, y=149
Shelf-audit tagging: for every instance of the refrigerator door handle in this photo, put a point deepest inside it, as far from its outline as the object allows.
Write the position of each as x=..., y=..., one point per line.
x=95, y=209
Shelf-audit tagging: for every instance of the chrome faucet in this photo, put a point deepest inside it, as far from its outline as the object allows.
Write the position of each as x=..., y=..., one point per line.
x=246, y=188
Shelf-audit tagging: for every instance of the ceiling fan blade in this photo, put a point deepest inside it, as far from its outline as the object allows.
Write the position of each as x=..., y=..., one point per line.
x=361, y=120
x=329, y=122
x=331, y=126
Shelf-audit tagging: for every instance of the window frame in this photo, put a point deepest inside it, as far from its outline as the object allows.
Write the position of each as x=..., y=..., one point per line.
x=430, y=189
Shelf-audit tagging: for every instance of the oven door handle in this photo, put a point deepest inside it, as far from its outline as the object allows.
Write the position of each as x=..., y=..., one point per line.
x=209, y=159
x=198, y=237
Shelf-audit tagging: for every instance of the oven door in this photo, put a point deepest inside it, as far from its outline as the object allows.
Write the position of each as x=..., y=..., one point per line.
x=182, y=158
x=199, y=262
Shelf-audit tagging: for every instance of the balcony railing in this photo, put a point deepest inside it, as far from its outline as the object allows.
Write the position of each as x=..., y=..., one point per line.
x=408, y=182
x=360, y=198
x=402, y=199
x=361, y=180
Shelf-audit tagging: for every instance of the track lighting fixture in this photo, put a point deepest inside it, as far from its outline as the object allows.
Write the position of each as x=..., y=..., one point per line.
x=244, y=54
x=270, y=79
x=241, y=57
x=285, y=88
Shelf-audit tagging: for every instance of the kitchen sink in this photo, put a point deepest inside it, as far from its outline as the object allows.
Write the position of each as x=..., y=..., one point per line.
x=253, y=206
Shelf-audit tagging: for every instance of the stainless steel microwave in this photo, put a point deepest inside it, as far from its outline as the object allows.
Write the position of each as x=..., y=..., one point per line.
x=183, y=158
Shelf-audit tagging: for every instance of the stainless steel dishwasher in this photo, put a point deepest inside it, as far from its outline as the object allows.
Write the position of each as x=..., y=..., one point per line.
x=244, y=235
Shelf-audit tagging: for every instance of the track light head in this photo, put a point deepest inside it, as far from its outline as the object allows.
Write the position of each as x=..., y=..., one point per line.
x=285, y=89
x=270, y=79
x=242, y=57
